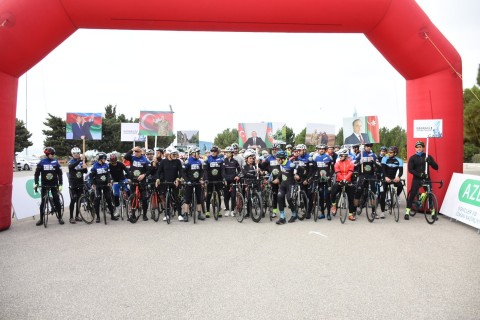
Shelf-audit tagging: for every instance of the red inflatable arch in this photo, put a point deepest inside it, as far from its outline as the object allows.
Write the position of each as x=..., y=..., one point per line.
x=399, y=29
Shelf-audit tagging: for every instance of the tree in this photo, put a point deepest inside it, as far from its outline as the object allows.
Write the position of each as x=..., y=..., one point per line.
x=22, y=136
x=471, y=118
x=394, y=137
x=339, y=137
x=289, y=135
x=55, y=136
x=300, y=138
x=226, y=138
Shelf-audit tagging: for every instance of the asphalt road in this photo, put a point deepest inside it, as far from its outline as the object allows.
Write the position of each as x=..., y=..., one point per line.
x=228, y=270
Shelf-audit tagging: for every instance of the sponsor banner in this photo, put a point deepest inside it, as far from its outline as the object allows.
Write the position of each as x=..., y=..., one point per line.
x=129, y=132
x=462, y=200
x=361, y=130
x=27, y=203
x=156, y=123
x=80, y=125
x=432, y=128
x=318, y=133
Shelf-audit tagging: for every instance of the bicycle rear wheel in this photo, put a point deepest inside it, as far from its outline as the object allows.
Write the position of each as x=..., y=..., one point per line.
x=302, y=205
x=193, y=207
x=430, y=208
x=256, y=206
x=46, y=209
x=154, y=207
x=239, y=211
x=215, y=203
x=395, y=207
x=415, y=205
x=85, y=209
x=315, y=206
x=60, y=199
x=370, y=206
x=133, y=210
x=169, y=207
x=342, y=207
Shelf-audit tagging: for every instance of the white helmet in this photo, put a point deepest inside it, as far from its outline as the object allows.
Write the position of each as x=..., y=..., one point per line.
x=248, y=154
x=301, y=147
x=75, y=150
x=229, y=149
x=171, y=150
x=343, y=151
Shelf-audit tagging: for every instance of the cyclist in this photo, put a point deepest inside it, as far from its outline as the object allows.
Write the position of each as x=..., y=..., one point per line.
x=237, y=156
x=118, y=172
x=101, y=182
x=392, y=168
x=193, y=173
x=50, y=174
x=343, y=176
x=419, y=166
x=76, y=169
x=332, y=152
x=170, y=171
x=139, y=170
x=285, y=179
x=322, y=169
x=231, y=169
x=383, y=152
x=212, y=173
x=368, y=165
x=271, y=165
x=289, y=150
x=303, y=163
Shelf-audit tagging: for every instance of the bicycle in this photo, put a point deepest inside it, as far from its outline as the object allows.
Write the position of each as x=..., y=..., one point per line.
x=301, y=201
x=170, y=203
x=427, y=201
x=85, y=206
x=315, y=199
x=253, y=204
x=368, y=200
x=239, y=202
x=342, y=203
x=215, y=199
x=48, y=205
x=134, y=203
x=154, y=204
x=123, y=199
x=192, y=210
x=267, y=197
x=391, y=201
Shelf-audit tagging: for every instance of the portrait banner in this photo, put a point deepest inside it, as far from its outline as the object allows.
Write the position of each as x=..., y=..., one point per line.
x=318, y=133
x=188, y=138
x=361, y=130
x=129, y=132
x=254, y=135
x=156, y=123
x=432, y=128
x=81, y=125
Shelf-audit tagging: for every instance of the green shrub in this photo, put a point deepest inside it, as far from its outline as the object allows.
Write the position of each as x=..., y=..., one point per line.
x=476, y=158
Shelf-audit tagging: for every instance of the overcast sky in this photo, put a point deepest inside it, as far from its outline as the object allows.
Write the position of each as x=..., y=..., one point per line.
x=233, y=77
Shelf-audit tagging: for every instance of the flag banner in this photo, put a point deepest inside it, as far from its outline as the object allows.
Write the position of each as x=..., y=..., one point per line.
x=361, y=130
x=188, y=138
x=253, y=135
x=432, y=128
x=129, y=132
x=81, y=125
x=318, y=133
x=156, y=123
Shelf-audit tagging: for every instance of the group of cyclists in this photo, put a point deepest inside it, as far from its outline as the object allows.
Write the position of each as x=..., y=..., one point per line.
x=326, y=171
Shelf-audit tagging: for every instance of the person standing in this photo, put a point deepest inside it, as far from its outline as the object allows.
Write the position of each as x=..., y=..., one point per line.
x=213, y=174
x=230, y=172
x=139, y=170
x=101, y=182
x=50, y=174
x=76, y=169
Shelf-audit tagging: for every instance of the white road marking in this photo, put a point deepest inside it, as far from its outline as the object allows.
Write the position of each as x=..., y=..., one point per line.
x=316, y=232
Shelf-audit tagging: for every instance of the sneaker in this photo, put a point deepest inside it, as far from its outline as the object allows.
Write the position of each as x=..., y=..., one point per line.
x=180, y=218
x=164, y=219
x=77, y=218
x=351, y=217
x=185, y=217
x=334, y=209
x=232, y=213
x=273, y=215
x=201, y=216
x=145, y=218
x=329, y=217
x=292, y=219
x=72, y=221
x=226, y=213
x=381, y=215
x=308, y=216
x=322, y=216
x=407, y=216
x=39, y=222
x=220, y=214
x=60, y=221
x=207, y=215
x=281, y=221
x=98, y=220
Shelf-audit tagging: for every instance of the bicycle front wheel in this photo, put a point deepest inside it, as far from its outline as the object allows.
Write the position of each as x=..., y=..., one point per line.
x=104, y=209
x=415, y=205
x=302, y=205
x=60, y=199
x=315, y=206
x=239, y=202
x=46, y=209
x=85, y=209
x=395, y=207
x=430, y=208
x=370, y=206
x=342, y=207
x=256, y=206
x=215, y=204
x=169, y=207
x=133, y=210
x=154, y=207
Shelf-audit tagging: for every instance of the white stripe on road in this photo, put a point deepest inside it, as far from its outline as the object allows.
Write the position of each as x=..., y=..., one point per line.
x=316, y=232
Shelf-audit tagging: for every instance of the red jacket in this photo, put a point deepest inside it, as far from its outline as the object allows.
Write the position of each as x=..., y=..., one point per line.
x=344, y=170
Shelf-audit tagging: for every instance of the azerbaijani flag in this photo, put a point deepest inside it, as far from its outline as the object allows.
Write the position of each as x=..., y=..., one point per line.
x=373, y=129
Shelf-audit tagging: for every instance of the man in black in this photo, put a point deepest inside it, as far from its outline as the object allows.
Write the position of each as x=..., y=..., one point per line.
x=76, y=169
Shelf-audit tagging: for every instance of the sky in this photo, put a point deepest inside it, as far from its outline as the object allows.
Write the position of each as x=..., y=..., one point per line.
x=214, y=80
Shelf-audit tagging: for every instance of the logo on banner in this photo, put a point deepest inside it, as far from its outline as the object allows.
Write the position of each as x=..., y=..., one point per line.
x=470, y=192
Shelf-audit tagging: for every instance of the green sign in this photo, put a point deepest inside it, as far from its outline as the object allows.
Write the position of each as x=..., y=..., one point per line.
x=470, y=192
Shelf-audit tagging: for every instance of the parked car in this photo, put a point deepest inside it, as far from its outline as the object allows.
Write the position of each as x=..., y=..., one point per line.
x=23, y=164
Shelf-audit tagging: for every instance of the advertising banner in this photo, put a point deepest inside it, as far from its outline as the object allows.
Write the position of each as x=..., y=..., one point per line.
x=129, y=132
x=462, y=200
x=432, y=128
x=80, y=125
x=156, y=123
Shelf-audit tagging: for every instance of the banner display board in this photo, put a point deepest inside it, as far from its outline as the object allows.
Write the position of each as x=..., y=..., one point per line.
x=205, y=146
x=462, y=200
x=318, y=133
x=254, y=135
x=156, y=123
x=188, y=138
x=361, y=130
x=80, y=125
x=26, y=202
x=428, y=128
x=129, y=132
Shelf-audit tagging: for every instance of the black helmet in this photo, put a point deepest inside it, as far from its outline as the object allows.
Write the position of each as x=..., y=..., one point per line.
x=214, y=149
x=281, y=154
x=102, y=156
x=275, y=146
x=419, y=143
x=49, y=150
x=393, y=149
x=383, y=148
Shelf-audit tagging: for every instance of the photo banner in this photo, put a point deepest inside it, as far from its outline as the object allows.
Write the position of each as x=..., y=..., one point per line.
x=156, y=123
x=188, y=138
x=129, y=132
x=81, y=125
x=428, y=128
x=205, y=146
x=277, y=132
x=254, y=135
x=318, y=133
x=361, y=130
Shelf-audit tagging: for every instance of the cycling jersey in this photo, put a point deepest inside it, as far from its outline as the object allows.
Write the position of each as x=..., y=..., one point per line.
x=287, y=169
x=271, y=165
x=344, y=170
x=322, y=166
x=417, y=163
x=49, y=171
x=390, y=167
x=367, y=161
x=230, y=168
x=169, y=170
x=100, y=174
x=213, y=168
x=118, y=171
x=192, y=170
x=138, y=165
x=76, y=172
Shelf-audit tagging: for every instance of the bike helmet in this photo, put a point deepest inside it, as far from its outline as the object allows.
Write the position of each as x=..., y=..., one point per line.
x=301, y=147
x=214, y=149
x=49, y=150
x=393, y=149
x=288, y=146
x=419, y=143
x=229, y=149
x=235, y=145
x=368, y=145
x=343, y=152
x=101, y=156
x=383, y=148
x=355, y=146
x=281, y=154
x=195, y=150
x=322, y=146
x=75, y=150
x=149, y=151
x=171, y=150
x=112, y=157
x=249, y=153
x=275, y=146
